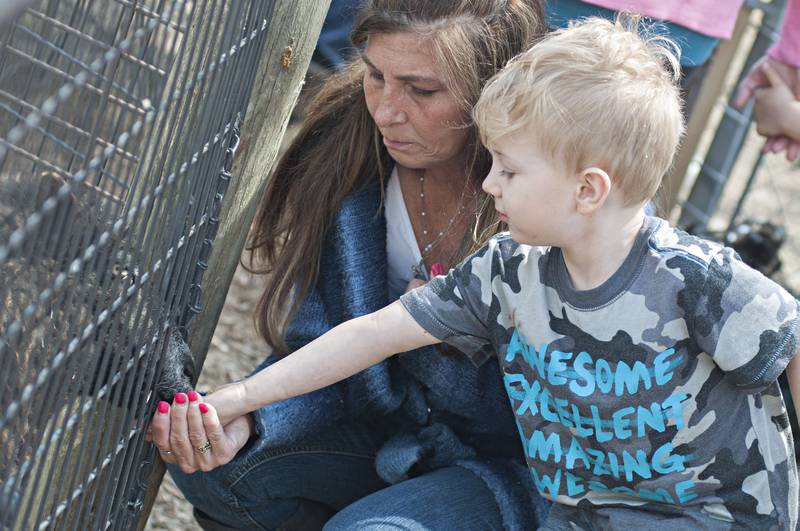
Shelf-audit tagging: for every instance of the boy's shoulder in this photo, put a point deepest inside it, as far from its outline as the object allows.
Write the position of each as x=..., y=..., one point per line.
x=673, y=244
x=708, y=267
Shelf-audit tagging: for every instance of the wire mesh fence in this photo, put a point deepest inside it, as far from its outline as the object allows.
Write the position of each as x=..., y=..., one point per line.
x=118, y=126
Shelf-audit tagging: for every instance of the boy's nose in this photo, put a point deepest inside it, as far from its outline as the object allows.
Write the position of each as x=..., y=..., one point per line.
x=489, y=186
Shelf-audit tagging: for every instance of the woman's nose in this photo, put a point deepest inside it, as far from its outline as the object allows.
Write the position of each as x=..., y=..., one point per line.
x=390, y=110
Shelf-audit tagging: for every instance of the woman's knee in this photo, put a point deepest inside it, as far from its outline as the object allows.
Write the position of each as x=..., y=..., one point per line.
x=212, y=494
x=266, y=488
x=448, y=498
x=265, y=497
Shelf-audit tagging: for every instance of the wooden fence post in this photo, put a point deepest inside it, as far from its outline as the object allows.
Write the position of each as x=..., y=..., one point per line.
x=710, y=92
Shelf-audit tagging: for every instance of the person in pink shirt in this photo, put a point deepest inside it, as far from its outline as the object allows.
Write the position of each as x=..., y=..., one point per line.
x=783, y=63
x=696, y=25
x=716, y=19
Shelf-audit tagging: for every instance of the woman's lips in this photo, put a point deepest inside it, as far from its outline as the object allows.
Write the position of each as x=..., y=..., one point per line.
x=396, y=144
x=502, y=217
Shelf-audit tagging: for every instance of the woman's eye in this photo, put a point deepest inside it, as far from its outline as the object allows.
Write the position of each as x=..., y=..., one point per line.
x=507, y=174
x=422, y=92
x=376, y=76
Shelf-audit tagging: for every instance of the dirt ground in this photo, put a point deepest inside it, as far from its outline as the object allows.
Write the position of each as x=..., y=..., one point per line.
x=236, y=349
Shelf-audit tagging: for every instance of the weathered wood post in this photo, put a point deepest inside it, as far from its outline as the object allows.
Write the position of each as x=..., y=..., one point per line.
x=710, y=93
x=293, y=33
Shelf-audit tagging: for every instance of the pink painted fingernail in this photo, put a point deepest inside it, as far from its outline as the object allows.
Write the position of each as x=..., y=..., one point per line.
x=193, y=396
x=437, y=269
x=203, y=408
x=180, y=398
x=163, y=407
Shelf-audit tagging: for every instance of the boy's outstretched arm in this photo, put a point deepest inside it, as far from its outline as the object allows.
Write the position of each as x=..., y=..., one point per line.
x=793, y=375
x=345, y=350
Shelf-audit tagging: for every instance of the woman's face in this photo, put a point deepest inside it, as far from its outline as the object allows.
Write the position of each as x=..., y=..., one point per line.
x=406, y=96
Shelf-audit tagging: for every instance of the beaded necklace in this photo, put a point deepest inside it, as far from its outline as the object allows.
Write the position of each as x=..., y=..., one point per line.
x=424, y=215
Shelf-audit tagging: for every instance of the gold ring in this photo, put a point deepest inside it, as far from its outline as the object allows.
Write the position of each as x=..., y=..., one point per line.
x=165, y=452
x=203, y=449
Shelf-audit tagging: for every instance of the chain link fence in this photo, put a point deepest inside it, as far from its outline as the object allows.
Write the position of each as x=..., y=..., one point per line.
x=118, y=126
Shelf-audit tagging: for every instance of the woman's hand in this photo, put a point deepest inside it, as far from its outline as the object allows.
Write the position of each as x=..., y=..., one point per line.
x=190, y=434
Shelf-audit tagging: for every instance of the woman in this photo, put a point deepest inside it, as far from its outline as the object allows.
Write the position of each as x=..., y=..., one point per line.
x=426, y=440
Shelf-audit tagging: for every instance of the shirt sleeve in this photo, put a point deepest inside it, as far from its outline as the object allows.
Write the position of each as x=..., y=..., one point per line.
x=787, y=49
x=449, y=307
x=746, y=322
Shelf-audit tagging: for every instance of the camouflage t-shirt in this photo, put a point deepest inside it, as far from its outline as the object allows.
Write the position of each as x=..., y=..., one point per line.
x=652, y=396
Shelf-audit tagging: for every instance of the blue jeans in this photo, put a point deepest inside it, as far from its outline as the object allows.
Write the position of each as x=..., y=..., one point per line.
x=301, y=485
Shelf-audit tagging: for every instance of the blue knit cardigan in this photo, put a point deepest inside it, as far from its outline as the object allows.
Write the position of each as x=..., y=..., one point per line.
x=449, y=406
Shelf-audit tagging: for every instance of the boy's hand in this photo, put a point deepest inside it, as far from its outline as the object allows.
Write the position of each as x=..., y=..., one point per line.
x=772, y=104
x=229, y=401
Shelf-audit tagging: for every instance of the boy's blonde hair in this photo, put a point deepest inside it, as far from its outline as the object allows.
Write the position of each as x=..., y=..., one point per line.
x=594, y=94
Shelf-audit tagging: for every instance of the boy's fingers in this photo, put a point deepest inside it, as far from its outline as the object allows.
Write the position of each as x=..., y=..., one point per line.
x=238, y=433
x=225, y=442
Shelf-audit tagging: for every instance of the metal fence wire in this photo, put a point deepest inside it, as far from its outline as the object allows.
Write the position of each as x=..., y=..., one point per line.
x=118, y=125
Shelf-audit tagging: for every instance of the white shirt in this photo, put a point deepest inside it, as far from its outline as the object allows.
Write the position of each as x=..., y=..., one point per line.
x=401, y=245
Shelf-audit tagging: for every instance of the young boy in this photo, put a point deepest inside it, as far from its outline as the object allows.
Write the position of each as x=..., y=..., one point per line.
x=640, y=361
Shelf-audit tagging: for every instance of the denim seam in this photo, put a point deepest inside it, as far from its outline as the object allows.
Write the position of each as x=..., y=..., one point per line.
x=245, y=468
x=244, y=513
x=232, y=502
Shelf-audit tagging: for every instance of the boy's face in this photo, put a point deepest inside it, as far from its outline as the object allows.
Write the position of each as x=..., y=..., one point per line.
x=533, y=194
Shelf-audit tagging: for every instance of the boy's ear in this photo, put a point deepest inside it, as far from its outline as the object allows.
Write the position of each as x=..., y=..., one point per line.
x=594, y=186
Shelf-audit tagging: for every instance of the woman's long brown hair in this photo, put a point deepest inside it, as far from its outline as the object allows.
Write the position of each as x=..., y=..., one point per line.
x=339, y=148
